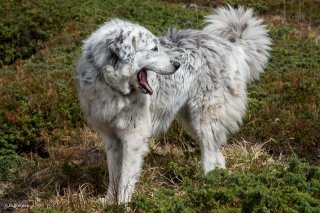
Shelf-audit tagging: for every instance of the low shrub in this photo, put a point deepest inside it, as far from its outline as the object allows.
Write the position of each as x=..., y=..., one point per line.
x=277, y=188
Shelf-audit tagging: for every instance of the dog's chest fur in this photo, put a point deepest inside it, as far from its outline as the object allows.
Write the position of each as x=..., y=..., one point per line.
x=107, y=108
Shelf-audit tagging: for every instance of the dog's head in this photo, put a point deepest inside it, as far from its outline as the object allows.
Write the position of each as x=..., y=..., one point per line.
x=124, y=53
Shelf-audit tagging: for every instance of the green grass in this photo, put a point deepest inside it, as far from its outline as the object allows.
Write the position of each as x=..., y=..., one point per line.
x=48, y=154
x=272, y=189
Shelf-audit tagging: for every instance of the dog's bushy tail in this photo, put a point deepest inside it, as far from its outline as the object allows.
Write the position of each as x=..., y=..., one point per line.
x=239, y=26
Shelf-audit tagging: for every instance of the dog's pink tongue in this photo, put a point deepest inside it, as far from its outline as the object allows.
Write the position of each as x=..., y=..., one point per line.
x=143, y=81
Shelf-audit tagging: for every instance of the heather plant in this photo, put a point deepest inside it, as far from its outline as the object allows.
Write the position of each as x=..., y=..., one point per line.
x=276, y=188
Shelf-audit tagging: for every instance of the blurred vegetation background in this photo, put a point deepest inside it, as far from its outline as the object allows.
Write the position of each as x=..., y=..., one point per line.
x=42, y=129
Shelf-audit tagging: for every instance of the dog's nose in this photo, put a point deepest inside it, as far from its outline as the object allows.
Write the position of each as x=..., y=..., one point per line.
x=176, y=65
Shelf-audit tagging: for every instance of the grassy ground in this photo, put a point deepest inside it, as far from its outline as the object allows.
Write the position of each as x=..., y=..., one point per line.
x=49, y=159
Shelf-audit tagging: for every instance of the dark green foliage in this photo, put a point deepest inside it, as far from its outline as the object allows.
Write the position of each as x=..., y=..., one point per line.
x=8, y=160
x=29, y=114
x=284, y=103
x=274, y=189
x=302, y=10
x=114, y=208
x=26, y=25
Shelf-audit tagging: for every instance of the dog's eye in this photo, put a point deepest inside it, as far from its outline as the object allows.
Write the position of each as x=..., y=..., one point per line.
x=155, y=49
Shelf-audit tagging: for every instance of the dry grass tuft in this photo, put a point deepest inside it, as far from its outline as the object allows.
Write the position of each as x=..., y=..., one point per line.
x=246, y=156
x=90, y=137
x=70, y=199
x=155, y=169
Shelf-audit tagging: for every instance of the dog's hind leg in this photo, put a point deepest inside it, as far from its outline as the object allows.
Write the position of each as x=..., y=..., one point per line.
x=210, y=139
x=211, y=156
x=113, y=149
x=208, y=132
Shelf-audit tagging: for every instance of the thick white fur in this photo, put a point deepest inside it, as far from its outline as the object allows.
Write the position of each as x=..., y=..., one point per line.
x=208, y=91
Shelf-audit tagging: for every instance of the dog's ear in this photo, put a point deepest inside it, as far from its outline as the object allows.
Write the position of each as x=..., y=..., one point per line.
x=123, y=47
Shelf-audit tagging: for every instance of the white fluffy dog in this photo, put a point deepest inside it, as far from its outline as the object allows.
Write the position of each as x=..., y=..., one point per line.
x=132, y=85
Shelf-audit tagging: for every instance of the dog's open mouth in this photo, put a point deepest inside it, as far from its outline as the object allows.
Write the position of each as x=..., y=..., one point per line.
x=143, y=82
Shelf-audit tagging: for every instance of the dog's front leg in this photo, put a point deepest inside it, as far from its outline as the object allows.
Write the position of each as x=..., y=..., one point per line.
x=134, y=147
x=113, y=149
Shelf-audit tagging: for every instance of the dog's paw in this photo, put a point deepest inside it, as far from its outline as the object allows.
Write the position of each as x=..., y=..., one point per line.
x=105, y=200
